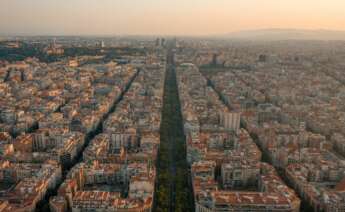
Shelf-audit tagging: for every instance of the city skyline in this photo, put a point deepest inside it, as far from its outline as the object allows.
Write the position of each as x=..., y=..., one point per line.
x=159, y=124
x=158, y=17
x=172, y=106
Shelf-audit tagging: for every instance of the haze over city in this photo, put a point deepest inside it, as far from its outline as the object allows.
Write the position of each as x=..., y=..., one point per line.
x=172, y=106
x=162, y=17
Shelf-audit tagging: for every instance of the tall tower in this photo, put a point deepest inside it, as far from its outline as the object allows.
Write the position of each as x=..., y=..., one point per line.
x=54, y=42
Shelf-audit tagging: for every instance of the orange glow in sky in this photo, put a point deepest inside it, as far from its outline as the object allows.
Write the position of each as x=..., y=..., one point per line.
x=174, y=17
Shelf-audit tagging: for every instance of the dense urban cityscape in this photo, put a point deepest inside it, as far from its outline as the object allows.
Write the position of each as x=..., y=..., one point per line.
x=165, y=124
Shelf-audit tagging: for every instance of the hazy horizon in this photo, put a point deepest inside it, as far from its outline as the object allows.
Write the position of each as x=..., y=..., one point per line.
x=161, y=17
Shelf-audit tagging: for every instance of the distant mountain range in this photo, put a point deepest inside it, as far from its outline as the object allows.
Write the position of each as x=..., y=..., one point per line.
x=287, y=34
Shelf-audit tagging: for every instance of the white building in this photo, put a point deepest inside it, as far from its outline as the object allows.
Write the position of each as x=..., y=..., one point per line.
x=230, y=120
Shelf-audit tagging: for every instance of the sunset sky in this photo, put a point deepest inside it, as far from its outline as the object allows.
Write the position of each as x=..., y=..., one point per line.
x=165, y=17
